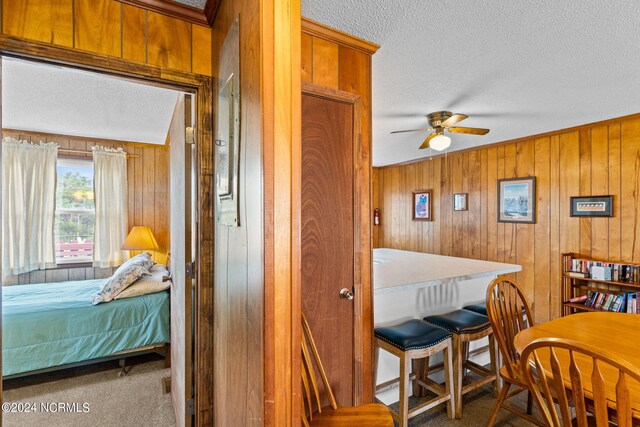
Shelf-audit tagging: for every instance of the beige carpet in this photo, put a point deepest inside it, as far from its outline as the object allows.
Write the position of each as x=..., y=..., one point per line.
x=132, y=400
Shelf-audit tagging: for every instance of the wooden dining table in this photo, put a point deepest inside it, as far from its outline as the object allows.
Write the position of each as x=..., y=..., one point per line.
x=617, y=333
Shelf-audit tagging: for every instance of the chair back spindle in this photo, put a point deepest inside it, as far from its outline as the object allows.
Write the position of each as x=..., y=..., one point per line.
x=311, y=361
x=575, y=372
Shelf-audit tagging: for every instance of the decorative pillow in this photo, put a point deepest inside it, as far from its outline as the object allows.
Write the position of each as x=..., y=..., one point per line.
x=123, y=277
x=147, y=284
x=143, y=259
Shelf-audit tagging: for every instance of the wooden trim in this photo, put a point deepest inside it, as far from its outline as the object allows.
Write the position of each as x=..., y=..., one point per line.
x=211, y=10
x=281, y=142
x=521, y=139
x=340, y=37
x=361, y=240
x=202, y=87
x=180, y=11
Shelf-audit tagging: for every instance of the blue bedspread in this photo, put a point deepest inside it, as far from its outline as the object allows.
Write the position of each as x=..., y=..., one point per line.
x=52, y=324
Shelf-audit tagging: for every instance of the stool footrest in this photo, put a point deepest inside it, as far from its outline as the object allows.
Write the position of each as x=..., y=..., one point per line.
x=478, y=369
x=419, y=409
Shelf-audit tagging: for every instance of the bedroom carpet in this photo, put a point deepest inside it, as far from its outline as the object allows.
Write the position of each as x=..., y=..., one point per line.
x=133, y=400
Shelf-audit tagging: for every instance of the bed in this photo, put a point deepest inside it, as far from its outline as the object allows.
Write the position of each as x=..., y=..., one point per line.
x=52, y=324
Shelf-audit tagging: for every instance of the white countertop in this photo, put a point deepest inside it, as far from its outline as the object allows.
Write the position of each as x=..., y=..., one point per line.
x=395, y=270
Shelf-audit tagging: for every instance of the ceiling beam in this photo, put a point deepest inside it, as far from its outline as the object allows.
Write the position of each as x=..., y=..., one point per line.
x=181, y=11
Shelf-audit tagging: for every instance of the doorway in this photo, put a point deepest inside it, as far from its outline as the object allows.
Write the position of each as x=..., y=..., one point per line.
x=195, y=262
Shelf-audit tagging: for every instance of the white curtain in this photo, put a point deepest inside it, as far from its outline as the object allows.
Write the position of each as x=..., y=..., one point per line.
x=28, y=205
x=110, y=192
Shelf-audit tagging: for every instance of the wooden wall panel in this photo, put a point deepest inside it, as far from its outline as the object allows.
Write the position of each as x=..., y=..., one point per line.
x=134, y=33
x=49, y=21
x=598, y=159
x=325, y=63
x=97, y=26
x=201, y=62
x=111, y=28
x=147, y=197
x=243, y=282
x=169, y=42
x=306, y=59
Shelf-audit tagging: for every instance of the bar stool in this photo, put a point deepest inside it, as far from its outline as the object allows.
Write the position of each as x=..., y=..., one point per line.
x=409, y=341
x=467, y=326
x=480, y=308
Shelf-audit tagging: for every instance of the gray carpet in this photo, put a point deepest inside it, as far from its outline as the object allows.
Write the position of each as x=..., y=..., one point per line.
x=132, y=400
x=477, y=406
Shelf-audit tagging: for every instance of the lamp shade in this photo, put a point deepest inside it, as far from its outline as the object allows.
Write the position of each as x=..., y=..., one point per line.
x=440, y=142
x=140, y=237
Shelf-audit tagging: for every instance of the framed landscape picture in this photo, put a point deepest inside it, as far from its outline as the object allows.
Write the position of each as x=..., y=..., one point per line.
x=517, y=200
x=592, y=206
x=421, y=202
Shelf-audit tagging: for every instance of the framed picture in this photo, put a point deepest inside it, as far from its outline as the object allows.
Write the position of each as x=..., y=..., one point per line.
x=592, y=206
x=517, y=200
x=421, y=202
x=460, y=202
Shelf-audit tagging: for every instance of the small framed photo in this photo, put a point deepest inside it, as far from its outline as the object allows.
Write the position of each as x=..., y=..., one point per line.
x=421, y=205
x=460, y=202
x=592, y=206
x=517, y=200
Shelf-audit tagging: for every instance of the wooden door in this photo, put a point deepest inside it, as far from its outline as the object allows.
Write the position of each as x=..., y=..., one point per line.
x=181, y=252
x=327, y=241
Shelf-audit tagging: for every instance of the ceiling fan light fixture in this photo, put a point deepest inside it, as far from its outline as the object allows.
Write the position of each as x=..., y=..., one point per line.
x=440, y=142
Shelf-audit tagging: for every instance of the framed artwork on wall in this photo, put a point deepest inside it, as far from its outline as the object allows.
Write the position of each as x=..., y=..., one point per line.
x=460, y=202
x=592, y=206
x=421, y=205
x=517, y=200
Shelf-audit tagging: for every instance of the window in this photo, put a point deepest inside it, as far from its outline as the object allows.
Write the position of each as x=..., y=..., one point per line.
x=75, y=211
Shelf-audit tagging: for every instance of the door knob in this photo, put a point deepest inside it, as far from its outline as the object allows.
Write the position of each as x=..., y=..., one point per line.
x=346, y=294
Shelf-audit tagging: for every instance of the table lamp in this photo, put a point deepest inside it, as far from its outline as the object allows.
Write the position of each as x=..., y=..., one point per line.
x=140, y=238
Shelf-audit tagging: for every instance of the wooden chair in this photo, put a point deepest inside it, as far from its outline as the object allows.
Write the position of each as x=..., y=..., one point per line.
x=373, y=415
x=509, y=313
x=583, y=377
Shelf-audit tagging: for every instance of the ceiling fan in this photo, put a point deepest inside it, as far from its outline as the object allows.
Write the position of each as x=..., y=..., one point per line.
x=439, y=122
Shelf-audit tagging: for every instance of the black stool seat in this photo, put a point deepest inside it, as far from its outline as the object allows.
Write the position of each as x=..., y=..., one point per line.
x=412, y=335
x=460, y=321
x=477, y=308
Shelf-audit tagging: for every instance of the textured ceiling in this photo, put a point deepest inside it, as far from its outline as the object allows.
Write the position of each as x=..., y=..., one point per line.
x=49, y=99
x=517, y=67
x=194, y=3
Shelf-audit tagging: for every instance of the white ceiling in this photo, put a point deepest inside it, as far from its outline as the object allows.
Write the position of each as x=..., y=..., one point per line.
x=517, y=67
x=44, y=98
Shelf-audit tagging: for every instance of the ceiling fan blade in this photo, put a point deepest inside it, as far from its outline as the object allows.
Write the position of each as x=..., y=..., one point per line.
x=456, y=118
x=411, y=130
x=425, y=144
x=473, y=131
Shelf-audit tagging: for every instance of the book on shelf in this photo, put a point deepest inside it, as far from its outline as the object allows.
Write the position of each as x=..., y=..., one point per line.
x=611, y=271
x=609, y=301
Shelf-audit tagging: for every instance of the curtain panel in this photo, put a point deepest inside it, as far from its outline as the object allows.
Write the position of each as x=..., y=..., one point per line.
x=110, y=191
x=28, y=205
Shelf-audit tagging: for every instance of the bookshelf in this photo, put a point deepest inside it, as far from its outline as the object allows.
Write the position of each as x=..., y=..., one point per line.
x=576, y=282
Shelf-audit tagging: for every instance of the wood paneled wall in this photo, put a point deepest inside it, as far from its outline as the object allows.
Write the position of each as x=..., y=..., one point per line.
x=239, y=284
x=148, y=199
x=111, y=28
x=596, y=159
x=336, y=60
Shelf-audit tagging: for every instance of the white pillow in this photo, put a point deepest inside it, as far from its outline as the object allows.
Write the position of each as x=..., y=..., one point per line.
x=159, y=267
x=147, y=285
